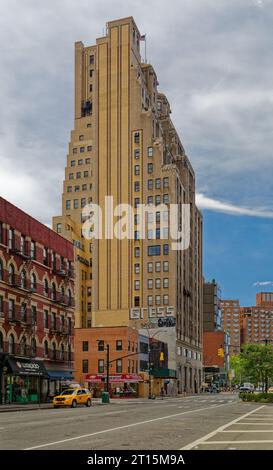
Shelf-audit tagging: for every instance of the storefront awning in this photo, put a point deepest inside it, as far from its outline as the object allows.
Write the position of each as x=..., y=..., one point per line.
x=114, y=378
x=164, y=373
x=60, y=374
x=24, y=366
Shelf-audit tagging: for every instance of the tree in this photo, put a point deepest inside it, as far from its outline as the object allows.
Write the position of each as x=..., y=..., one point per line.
x=256, y=361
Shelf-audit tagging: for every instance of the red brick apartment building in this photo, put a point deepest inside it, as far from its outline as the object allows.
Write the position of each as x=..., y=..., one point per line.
x=36, y=308
x=257, y=321
x=231, y=322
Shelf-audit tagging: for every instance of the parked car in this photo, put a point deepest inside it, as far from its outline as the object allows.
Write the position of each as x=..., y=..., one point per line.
x=73, y=397
x=247, y=387
x=214, y=389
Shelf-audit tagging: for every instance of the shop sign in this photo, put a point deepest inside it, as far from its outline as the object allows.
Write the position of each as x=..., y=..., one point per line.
x=151, y=312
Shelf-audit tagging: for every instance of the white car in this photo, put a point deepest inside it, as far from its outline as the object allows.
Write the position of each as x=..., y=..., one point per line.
x=247, y=387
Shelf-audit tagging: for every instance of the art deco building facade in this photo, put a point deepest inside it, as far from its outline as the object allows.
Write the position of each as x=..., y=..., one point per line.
x=125, y=145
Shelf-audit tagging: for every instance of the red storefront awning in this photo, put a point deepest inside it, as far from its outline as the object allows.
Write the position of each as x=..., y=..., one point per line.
x=114, y=378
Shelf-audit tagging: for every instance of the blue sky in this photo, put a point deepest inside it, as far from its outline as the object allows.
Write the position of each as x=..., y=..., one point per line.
x=214, y=62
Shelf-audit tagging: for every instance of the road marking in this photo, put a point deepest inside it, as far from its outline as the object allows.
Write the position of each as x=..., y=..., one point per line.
x=250, y=430
x=255, y=424
x=207, y=443
x=122, y=427
x=114, y=412
x=221, y=428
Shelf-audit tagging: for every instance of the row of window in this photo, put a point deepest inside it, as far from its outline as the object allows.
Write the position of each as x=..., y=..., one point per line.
x=75, y=203
x=81, y=149
x=25, y=350
x=157, y=300
x=151, y=267
x=132, y=366
x=79, y=175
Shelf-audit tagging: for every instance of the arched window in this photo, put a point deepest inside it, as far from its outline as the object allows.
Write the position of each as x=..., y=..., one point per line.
x=69, y=297
x=11, y=344
x=1, y=342
x=1, y=270
x=53, y=293
x=33, y=283
x=33, y=347
x=62, y=352
x=23, y=279
x=54, y=352
x=46, y=348
x=62, y=294
x=11, y=274
x=45, y=287
x=23, y=346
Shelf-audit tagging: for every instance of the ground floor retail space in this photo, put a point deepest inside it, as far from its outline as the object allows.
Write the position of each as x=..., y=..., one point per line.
x=27, y=380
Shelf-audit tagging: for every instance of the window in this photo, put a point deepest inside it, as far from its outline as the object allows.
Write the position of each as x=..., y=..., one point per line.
x=33, y=283
x=137, y=268
x=157, y=267
x=100, y=366
x=150, y=184
x=158, y=283
x=73, y=162
x=46, y=319
x=86, y=174
x=88, y=160
x=33, y=347
x=74, y=151
x=23, y=245
x=166, y=198
x=119, y=345
x=82, y=149
x=11, y=344
x=80, y=162
x=165, y=182
x=1, y=270
x=150, y=168
x=136, y=154
x=119, y=366
x=84, y=187
x=157, y=300
x=24, y=312
x=150, y=283
x=91, y=73
x=150, y=200
x=137, y=235
x=23, y=279
x=89, y=149
x=1, y=232
x=150, y=151
x=59, y=228
x=1, y=305
x=92, y=59
x=33, y=314
x=157, y=199
x=81, y=137
x=149, y=267
x=137, y=285
x=78, y=175
x=158, y=183
x=100, y=345
x=85, y=366
x=150, y=300
x=76, y=203
x=165, y=249
x=137, y=137
x=68, y=205
x=11, y=311
x=85, y=346
x=165, y=299
x=166, y=282
x=136, y=301
x=11, y=274
x=137, y=252
x=83, y=202
x=45, y=348
x=137, y=186
x=137, y=170
x=11, y=239
x=137, y=202
x=154, y=250
x=71, y=176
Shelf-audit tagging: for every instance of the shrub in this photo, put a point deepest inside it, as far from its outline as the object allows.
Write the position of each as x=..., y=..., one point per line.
x=258, y=397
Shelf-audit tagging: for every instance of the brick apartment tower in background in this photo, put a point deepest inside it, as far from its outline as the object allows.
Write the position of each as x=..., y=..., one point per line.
x=231, y=323
x=124, y=144
x=257, y=321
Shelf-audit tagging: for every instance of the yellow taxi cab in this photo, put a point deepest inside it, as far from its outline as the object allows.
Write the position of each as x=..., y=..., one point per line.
x=73, y=397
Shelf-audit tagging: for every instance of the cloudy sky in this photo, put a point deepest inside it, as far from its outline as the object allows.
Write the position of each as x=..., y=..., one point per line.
x=214, y=61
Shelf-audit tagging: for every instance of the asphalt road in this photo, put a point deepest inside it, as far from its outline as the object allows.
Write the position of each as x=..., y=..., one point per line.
x=197, y=422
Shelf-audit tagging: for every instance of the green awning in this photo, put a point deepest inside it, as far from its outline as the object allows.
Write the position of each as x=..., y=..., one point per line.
x=164, y=373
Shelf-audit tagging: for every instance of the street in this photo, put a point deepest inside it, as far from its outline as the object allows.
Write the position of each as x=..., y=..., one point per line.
x=214, y=421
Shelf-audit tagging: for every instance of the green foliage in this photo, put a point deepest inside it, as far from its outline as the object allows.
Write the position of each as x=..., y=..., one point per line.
x=256, y=397
x=254, y=364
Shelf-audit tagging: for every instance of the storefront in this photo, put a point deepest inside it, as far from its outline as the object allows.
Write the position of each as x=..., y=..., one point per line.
x=24, y=380
x=58, y=380
x=120, y=385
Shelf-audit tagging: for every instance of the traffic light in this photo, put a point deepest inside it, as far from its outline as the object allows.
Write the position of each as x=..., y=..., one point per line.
x=221, y=352
x=161, y=357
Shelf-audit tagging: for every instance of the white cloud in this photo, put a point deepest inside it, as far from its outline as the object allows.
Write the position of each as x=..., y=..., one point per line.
x=262, y=283
x=204, y=202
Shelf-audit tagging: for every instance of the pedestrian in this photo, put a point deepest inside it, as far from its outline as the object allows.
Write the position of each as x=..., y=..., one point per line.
x=162, y=392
